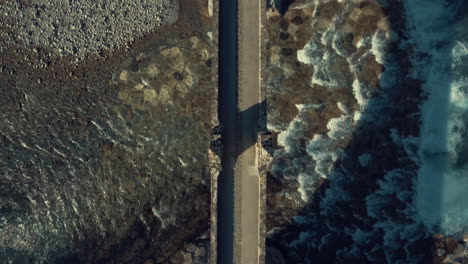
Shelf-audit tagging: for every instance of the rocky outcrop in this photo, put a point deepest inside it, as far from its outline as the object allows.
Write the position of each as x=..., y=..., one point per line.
x=343, y=112
x=450, y=250
x=196, y=252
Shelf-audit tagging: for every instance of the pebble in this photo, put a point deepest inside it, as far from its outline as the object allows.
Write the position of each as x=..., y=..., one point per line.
x=205, y=54
x=152, y=71
x=123, y=95
x=383, y=24
x=292, y=28
x=109, y=24
x=355, y=14
x=171, y=52
x=164, y=94
x=194, y=41
x=287, y=69
x=139, y=86
x=149, y=95
x=123, y=76
x=189, y=81
x=145, y=82
x=275, y=58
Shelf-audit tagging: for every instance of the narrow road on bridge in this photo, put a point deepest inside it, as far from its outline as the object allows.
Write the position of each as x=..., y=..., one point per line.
x=247, y=178
x=238, y=214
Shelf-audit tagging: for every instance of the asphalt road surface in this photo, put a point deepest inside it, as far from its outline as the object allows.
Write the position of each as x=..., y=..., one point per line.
x=246, y=176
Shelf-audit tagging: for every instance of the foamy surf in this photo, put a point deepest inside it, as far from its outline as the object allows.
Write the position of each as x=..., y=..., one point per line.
x=441, y=61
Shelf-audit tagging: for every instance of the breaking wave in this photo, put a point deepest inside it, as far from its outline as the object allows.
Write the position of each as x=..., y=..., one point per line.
x=441, y=60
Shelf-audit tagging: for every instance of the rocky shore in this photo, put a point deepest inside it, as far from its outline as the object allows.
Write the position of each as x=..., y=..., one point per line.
x=344, y=117
x=97, y=152
x=79, y=28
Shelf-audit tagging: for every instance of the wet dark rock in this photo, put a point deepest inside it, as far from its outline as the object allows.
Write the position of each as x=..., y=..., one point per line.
x=134, y=67
x=287, y=52
x=297, y=20
x=284, y=35
x=217, y=130
x=178, y=76
x=284, y=24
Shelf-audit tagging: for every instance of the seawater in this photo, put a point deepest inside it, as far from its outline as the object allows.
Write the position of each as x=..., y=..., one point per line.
x=440, y=40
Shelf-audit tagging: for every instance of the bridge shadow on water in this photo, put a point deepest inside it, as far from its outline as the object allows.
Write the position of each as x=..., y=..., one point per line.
x=227, y=108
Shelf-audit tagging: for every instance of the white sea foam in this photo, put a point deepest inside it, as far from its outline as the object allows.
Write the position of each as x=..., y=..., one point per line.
x=363, y=42
x=344, y=108
x=361, y=93
x=289, y=138
x=323, y=74
x=309, y=54
x=379, y=44
x=323, y=60
x=306, y=185
x=323, y=53
x=339, y=128
x=320, y=147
